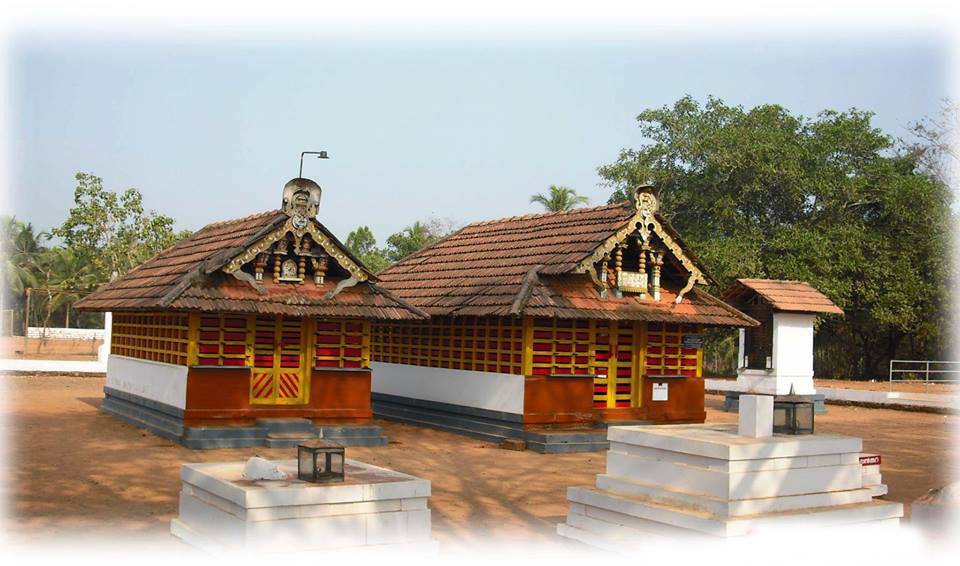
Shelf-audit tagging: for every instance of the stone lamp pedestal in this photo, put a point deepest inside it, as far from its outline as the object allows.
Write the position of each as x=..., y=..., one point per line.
x=676, y=481
x=372, y=509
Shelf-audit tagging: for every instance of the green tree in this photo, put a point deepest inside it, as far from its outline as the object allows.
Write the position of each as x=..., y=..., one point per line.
x=830, y=200
x=362, y=243
x=111, y=232
x=20, y=248
x=559, y=199
x=64, y=278
x=415, y=237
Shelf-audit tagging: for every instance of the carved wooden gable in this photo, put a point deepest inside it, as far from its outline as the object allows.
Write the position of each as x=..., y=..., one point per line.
x=643, y=255
x=298, y=252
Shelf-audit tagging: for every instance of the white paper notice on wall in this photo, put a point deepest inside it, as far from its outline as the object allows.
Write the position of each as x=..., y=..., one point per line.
x=660, y=391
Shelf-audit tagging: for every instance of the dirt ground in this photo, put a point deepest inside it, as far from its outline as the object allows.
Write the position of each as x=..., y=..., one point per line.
x=12, y=347
x=901, y=386
x=74, y=470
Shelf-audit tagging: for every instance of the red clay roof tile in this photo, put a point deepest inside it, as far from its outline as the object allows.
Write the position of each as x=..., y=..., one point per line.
x=178, y=278
x=481, y=269
x=783, y=295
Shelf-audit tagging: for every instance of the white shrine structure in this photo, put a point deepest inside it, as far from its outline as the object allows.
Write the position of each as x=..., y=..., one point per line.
x=726, y=480
x=776, y=357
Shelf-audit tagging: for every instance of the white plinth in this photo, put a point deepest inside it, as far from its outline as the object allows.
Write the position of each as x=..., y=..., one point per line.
x=372, y=507
x=677, y=480
x=756, y=416
x=791, y=362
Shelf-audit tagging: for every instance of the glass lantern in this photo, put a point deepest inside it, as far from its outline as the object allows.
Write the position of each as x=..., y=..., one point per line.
x=792, y=414
x=320, y=461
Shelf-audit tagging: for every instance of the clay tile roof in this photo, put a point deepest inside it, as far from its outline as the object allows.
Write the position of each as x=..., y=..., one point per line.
x=148, y=284
x=524, y=265
x=785, y=296
x=184, y=277
x=573, y=296
x=483, y=265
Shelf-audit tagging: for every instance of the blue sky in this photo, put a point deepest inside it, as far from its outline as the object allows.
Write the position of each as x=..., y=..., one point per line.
x=465, y=130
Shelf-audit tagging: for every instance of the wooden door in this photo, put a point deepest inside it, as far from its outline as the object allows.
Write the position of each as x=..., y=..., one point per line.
x=615, y=369
x=280, y=369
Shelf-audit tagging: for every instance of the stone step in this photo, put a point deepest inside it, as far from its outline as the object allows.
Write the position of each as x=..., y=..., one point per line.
x=624, y=510
x=156, y=422
x=482, y=427
x=553, y=442
x=732, y=508
x=286, y=424
x=410, y=417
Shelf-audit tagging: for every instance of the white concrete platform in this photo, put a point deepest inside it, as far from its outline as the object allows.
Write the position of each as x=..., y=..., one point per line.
x=372, y=507
x=672, y=481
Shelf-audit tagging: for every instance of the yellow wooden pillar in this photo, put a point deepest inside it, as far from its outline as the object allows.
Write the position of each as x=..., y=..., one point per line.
x=613, y=343
x=639, y=362
x=193, y=337
x=527, y=346
x=700, y=354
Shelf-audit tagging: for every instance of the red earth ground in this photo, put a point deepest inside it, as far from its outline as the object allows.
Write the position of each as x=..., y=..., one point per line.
x=74, y=470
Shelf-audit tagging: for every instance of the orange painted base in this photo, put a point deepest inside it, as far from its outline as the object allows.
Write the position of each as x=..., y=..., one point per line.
x=568, y=401
x=221, y=397
x=684, y=404
x=557, y=400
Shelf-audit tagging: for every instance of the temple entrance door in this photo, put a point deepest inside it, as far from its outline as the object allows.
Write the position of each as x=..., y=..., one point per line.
x=280, y=370
x=616, y=377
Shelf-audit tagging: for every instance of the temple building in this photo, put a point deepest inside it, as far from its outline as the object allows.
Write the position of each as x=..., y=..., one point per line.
x=254, y=331
x=559, y=319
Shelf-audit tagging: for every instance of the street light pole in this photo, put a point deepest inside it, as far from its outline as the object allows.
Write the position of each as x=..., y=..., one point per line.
x=319, y=154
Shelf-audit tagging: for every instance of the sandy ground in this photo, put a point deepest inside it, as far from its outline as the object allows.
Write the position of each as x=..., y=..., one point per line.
x=75, y=470
x=901, y=386
x=49, y=349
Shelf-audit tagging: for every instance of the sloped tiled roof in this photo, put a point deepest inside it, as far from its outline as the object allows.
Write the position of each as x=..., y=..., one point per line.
x=183, y=277
x=573, y=296
x=483, y=264
x=522, y=265
x=785, y=296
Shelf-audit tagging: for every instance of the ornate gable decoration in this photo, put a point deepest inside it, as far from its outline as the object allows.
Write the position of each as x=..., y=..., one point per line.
x=644, y=237
x=297, y=250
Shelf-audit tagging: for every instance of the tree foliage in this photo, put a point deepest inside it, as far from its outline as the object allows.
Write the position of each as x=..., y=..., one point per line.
x=111, y=232
x=105, y=233
x=830, y=200
x=362, y=243
x=559, y=198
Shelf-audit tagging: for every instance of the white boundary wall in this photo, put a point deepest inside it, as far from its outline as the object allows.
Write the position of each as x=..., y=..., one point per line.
x=483, y=390
x=164, y=383
x=66, y=333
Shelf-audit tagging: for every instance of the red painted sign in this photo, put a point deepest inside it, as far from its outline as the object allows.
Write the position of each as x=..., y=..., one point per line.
x=870, y=460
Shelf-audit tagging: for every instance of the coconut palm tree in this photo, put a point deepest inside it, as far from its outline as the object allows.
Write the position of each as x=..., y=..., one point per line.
x=559, y=199
x=20, y=247
x=66, y=278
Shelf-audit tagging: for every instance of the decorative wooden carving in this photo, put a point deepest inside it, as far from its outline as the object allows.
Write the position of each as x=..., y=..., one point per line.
x=289, y=272
x=644, y=223
x=260, y=266
x=618, y=260
x=656, y=259
x=278, y=237
x=319, y=269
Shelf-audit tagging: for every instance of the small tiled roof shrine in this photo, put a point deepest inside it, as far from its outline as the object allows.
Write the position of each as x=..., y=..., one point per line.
x=783, y=296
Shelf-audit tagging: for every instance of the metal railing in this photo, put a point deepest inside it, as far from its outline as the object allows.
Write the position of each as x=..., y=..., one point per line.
x=926, y=371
